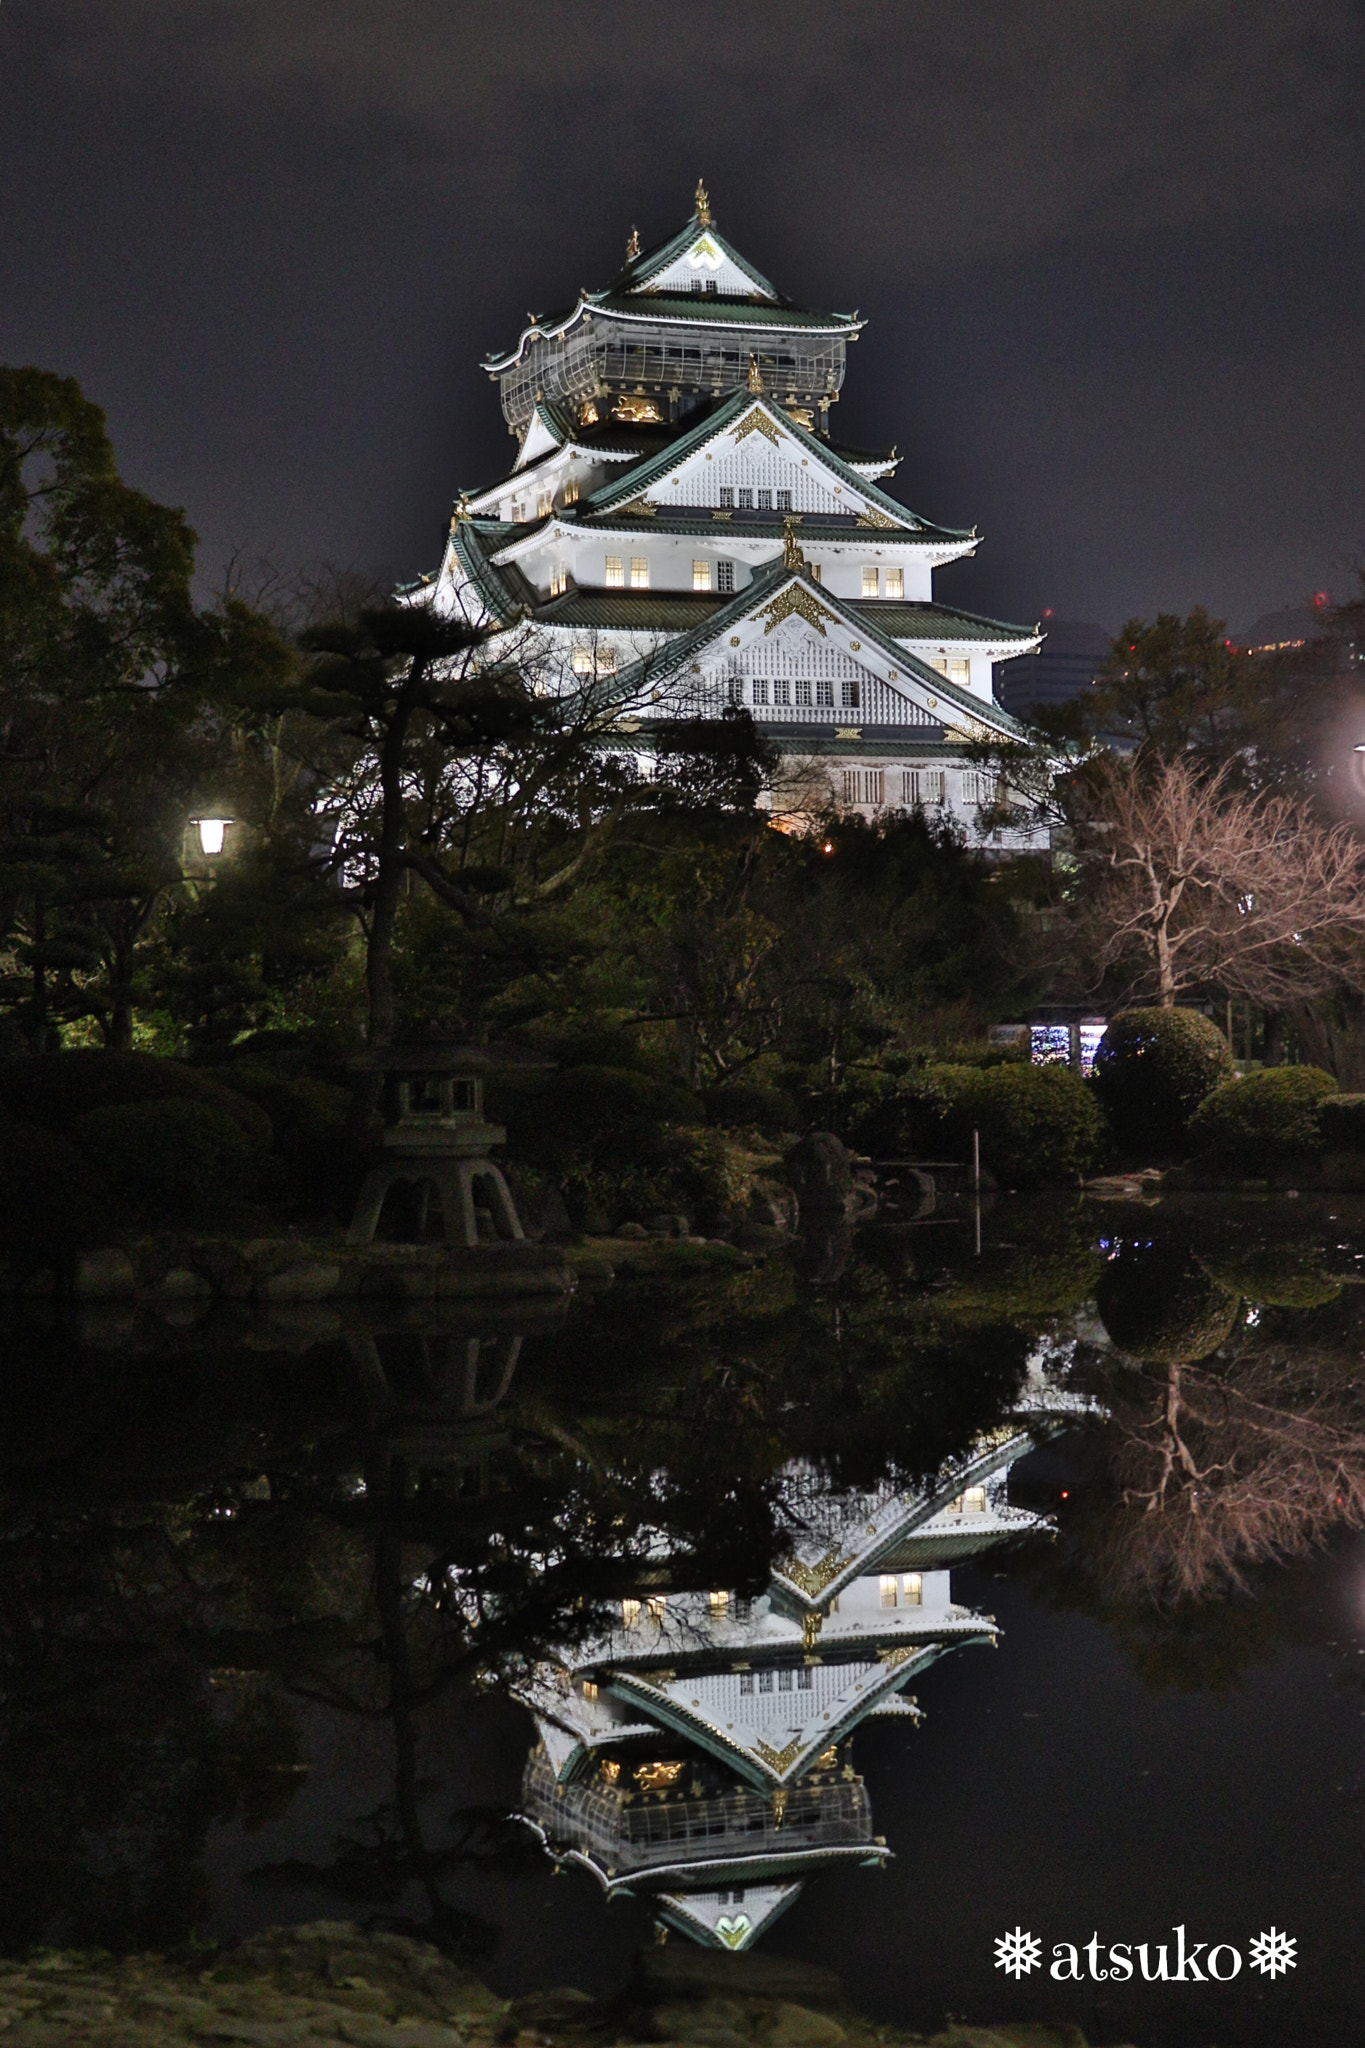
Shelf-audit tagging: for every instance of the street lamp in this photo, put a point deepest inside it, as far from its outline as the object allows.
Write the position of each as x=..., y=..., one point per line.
x=212, y=833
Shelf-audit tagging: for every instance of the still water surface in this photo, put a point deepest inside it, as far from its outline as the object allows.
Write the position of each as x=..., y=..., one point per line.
x=275, y=1598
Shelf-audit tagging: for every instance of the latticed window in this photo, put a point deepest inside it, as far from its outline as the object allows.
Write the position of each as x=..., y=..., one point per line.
x=871, y=582
x=803, y=693
x=571, y=491
x=765, y=501
x=765, y=1681
x=559, y=580
x=912, y=1589
x=922, y=786
x=727, y=498
x=784, y=1681
x=616, y=573
x=974, y=1500
x=718, y=1605
x=977, y=786
x=639, y=572
x=545, y=505
x=824, y=694
x=725, y=576
x=784, y=501
x=589, y=1689
x=851, y=693
x=803, y=1679
x=746, y=1681
x=955, y=669
x=606, y=661
x=701, y=575
x=864, y=786
x=582, y=661
x=760, y=690
x=895, y=583
x=746, y=501
x=888, y=1589
x=630, y=1612
x=782, y=693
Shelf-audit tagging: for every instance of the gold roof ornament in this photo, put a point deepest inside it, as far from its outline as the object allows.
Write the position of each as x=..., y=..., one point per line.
x=703, y=205
x=633, y=245
x=755, y=375
x=792, y=557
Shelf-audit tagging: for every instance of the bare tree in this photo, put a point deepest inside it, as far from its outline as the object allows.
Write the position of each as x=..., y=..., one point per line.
x=1187, y=881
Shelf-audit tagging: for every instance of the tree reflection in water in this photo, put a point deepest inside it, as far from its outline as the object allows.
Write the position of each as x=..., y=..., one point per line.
x=701, y=1529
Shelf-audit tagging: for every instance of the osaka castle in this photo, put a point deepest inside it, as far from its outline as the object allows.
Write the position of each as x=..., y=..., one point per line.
x=681, y=523
x=699, y=1756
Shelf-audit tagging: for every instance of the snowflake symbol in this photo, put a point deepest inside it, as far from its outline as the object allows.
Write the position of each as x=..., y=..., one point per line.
x=1273, y=1953
x=1018, y=1953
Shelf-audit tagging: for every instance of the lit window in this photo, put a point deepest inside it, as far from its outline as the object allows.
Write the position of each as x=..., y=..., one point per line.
x=824, y=694
x=871, y=580
x=655, y=1607
x=746, y=1681
x=784, y=501
x=582, y=661
x=606, y=661
x=852, y=694
x=639, y=572
x=701, y=575
x=746, y=501
x=765, y=501
x=545, y=504
x=784, y=1681
x=589, y=1689
x=727, y=498
x=912, y=1589
x=888, y=1589
x=719, y=1604
x=571, y=491
x=725, y=576
x=974, y=1500
x=834, y=1605
x=760, y=690
x=895, y=583
x=956, y=671
x=803, y=693
x=803, y=1679
x=978, y=788
x=630, y=1612
x=616, y=573
x=765, y=1681
x=817, y=573
x=559, y=580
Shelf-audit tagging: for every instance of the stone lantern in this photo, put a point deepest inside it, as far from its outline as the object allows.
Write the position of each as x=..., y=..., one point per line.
x=436, y=1138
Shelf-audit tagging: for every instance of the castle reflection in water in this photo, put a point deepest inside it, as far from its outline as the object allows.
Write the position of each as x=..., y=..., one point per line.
x=700, y=1754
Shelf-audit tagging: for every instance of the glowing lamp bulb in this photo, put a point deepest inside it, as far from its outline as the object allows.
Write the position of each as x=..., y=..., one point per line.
x=212, y=833
x=829, y=848
x=1359, y=747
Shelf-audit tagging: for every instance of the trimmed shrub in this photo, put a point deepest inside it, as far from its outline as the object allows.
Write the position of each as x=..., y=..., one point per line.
x=57, y=1088
x=171, y=1157
x=1040, y=1126
x=1153, y=1068
x=1263, y=1120
x=1160, y=1304
x=53, y=1204
x=744, y=1105
x=1341, y=1123
x=1280, y=1276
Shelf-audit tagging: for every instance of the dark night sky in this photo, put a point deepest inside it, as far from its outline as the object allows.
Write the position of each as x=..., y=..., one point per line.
x=1111, y=250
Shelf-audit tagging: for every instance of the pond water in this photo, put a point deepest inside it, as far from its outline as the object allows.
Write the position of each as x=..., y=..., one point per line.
x=865, y=1605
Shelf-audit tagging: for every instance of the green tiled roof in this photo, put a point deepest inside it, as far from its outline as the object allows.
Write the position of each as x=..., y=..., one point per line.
x=667, y=660
x=937, y=622
x=664, y=611
x=636, y=480
x=714, y=309
x=664, y=253
x=505, y=592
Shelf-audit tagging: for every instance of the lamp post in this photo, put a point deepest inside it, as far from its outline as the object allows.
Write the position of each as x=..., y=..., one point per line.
x=212, y=829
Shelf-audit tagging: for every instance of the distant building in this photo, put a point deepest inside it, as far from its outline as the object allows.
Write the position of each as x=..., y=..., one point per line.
x=1274, y=632
x=1072, y=655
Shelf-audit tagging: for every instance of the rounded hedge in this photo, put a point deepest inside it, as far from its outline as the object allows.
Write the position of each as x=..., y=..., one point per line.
x=171, y=1157
x=1040, y=1126
x=1263, y=1120
x=56, y=1088
x=1153, y=1068
x=1160, y=1304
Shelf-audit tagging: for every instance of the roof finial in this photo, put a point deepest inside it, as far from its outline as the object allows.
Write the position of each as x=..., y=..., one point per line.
x=792, y=557
x=633, y=245
x=755, y=375
x=703, y=205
